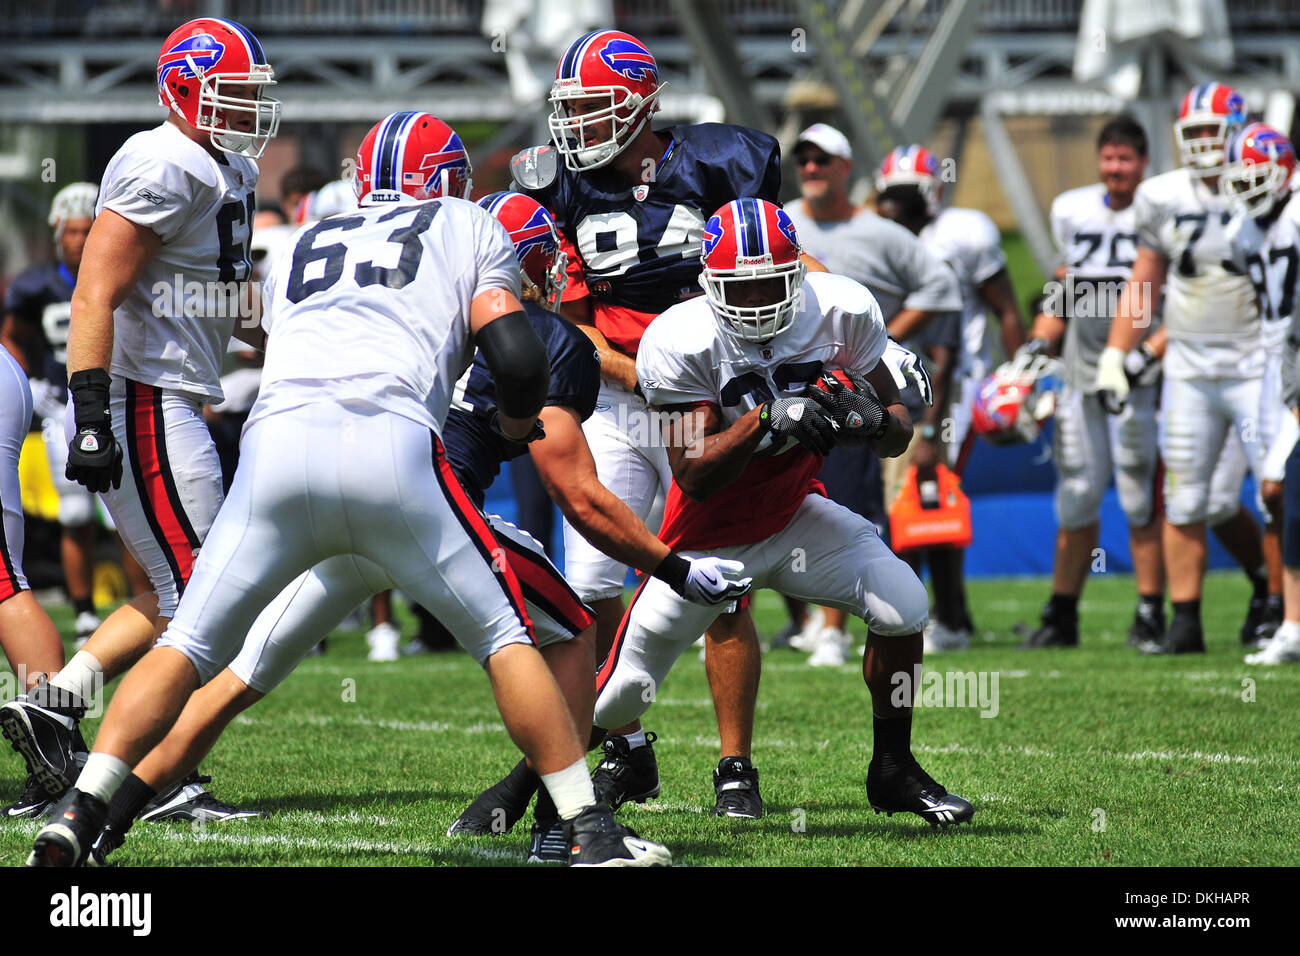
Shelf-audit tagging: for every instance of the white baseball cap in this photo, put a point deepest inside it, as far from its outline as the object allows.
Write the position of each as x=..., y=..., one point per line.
x=828, y=139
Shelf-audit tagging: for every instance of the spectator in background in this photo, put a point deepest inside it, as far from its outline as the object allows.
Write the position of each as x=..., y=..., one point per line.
x=919, y=298
x=295, y=185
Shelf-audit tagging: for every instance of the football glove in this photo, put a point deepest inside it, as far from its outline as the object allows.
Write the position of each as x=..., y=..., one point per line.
x=907, y=369
x=858, y=415
x=1142, y=366
x=707, y=580
x=802, y=419
x=94, y=456
x=1112, y=380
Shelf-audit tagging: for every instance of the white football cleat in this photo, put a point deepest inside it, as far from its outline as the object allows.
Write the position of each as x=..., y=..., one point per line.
x=936, y=638
x=807, y=639
x=832, y=648
x=86, y=624
x=383, y=640
x=1284, y=648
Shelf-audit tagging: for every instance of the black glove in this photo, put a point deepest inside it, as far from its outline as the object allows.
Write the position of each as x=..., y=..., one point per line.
x=858, y=415
x=94, y=456
x=801, y=419
x=537, y=433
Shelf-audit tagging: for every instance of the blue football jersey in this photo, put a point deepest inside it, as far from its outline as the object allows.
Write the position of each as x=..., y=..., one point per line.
x=41, y=297
x=474, y=451
x=640, y=242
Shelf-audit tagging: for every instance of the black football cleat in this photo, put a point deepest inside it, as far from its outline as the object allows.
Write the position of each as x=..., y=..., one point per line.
x=109, y=839
x=73, y=826
x=1261, y=623
x=1053, y=631
x=735, y=782
x=498, y=808
x=909, y=789
x=1148, y=625
x=547, y=843
x=34, y=802
x=189, y=801
x=1255, y=613
x=1183, y=637
x=626, y=775
x=595, y=838
x=41, y=725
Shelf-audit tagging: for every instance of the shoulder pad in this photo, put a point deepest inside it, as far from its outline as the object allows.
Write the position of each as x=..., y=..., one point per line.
x=534, y=168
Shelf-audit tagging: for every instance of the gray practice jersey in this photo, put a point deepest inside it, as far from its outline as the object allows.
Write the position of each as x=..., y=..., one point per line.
x=1098, y=246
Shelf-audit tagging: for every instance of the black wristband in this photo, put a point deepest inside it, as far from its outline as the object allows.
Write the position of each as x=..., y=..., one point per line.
x=672, y=571
x=89, y=389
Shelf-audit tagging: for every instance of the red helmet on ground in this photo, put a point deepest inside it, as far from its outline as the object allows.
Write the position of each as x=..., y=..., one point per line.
x=748, y=241
x=542, y=263
x=611, y=66
x=411, y=156
x=198, y=65
x=1209, y=115
x=1260, y=163
x=1014, y=403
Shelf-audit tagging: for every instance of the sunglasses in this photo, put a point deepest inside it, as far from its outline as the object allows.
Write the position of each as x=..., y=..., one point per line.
x=820, y=159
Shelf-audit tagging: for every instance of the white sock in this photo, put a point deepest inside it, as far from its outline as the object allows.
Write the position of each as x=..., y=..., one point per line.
x=569, y=788
x=102, y=775
x=83, y=676
x=636, y=739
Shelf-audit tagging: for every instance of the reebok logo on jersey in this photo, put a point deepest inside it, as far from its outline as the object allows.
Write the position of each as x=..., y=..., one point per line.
x=152, y=197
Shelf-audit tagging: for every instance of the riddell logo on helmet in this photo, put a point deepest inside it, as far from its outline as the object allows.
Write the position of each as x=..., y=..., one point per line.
x=564, y=86
x=754, y=260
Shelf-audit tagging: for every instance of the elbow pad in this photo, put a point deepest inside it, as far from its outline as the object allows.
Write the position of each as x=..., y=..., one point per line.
x=518, y=362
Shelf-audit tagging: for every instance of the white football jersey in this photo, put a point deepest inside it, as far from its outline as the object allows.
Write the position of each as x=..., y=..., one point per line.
x=685, y=357
x=1209, y=307
x=371, y=309
x=1271, y=257
x=968, y=241
x=172, y=329
x=1098, y=246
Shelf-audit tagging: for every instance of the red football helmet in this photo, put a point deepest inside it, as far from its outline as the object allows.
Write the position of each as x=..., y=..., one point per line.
x=1209, y=115
x=198, y=61
x=1260, y=163
x=607, y=65
x=411, y=156
x=746, y=242
x=1014, y=403
x=542, y=264
x=912, y=166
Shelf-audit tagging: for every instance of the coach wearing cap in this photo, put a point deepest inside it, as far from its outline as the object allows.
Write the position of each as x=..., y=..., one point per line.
x=918, y=295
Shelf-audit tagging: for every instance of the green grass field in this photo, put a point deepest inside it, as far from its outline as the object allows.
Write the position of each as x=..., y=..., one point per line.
x=1095, y=757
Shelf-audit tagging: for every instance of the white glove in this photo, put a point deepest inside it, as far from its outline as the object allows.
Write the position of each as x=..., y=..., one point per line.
x=1112, y=382
x=713, y=580
x=907, y=369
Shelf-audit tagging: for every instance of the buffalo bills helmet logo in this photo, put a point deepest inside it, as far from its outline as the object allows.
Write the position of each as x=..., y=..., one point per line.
x=204, y=48
x=451, y=157
x=534, y=234
x=786, y=225
x=629, y=58
x=713, y=234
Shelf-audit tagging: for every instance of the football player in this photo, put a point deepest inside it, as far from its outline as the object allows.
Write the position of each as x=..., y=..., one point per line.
x=35, y=330
x=1094, y=230
x=969, y=242
x=347, y=430
x=914, y=289
x=318, y=601
x=1258, y=179
x=28, y=637
x=161, y=285
x=630, y=202
x=748, y=429
x=1214, y=360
